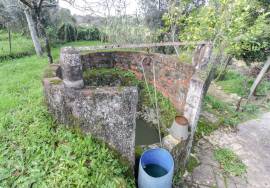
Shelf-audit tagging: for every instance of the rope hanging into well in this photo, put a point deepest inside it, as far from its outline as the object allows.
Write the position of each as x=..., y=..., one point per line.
x=155, y=102
x=145, y=80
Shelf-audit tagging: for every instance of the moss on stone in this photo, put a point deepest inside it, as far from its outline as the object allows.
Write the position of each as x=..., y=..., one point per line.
x=48, y=73
x=109, y=77
x=138, y=151
x=56, y=81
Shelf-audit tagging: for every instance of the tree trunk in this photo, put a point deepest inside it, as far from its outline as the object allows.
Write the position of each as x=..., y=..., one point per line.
x=259, y=78
x=33, y=32
x=47, y=42
x=223, y=71
x=211, y=73
x=48, y=49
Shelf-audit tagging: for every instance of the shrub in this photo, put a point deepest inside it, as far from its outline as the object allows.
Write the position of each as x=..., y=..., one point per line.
x=89, y=34
x=67, y=33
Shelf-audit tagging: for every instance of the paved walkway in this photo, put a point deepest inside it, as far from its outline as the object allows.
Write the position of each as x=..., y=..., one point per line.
x=251, y=143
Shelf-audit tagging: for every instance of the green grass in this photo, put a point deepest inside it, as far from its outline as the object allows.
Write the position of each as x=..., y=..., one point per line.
x=34, y=150
x=21, y=45
x=192, y=164
x=230, y=162
x=233, y=82
x=227, y=113
x=205, y=128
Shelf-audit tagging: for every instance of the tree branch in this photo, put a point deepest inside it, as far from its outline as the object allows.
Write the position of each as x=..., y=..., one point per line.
x=40, y=4
x=26, y=3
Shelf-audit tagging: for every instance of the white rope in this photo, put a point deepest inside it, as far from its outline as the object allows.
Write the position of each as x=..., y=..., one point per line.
x=145, y=80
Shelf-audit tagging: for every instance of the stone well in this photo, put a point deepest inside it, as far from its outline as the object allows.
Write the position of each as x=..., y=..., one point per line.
x=108, y=112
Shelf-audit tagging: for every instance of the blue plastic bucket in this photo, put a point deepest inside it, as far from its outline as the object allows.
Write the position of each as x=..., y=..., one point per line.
x=156, y=169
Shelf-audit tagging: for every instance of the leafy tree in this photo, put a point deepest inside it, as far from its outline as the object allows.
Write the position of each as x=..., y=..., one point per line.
x=11, y=16
x=241, y=27
x=153, y=11
x=237, y=28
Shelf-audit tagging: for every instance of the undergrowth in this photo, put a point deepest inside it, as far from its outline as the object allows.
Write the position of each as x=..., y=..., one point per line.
x=167, y=111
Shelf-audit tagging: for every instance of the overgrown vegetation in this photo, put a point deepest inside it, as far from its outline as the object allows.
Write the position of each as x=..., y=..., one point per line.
x=37, y=152
x=90, y=34
x=230, y=162
x=233, y=82
x=240, y=27
x=119, y=77
x=109, y=77
x=227, y=113
x=167, y=112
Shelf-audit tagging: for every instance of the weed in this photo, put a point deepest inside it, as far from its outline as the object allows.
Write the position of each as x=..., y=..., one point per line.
x=227, y=113
x=205, y=128
x=230, y=162
x=167, y=111
x=214, y=103
x=192, y=163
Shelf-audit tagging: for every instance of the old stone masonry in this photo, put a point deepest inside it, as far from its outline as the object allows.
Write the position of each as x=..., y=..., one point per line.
x=108, y=112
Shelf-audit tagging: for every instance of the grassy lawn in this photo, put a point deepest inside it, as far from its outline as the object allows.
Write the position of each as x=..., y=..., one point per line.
x=21, y=45
x=34, y=150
